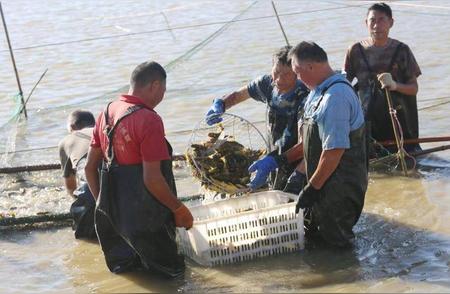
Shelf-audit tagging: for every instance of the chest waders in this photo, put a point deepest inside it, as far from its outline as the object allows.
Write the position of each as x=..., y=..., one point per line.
x=341, y=198
x=280, y=124
x=82, y=209
x=134, y=229
x=377, y=111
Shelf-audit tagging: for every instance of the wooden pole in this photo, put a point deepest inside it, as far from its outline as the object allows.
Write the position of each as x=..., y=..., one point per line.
x=397, y=140
x=14, y=63
x=279, y=22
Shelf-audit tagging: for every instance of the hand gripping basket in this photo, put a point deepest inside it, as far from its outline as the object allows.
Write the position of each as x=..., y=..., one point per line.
x=243, y=228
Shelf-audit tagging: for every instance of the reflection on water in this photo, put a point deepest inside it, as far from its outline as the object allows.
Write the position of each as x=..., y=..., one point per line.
x=403, y=237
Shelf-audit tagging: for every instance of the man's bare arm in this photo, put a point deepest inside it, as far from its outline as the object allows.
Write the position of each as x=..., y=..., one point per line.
x=236, y=97
x=157, y=185
x=71, y=184
x=294, y=153
x=94, y=158
x=328, y=162
x=410, y=88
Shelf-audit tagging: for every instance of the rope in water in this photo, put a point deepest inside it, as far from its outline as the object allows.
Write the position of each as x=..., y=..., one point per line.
x=53, y=166
x=184, y=27
x=169, y=66
x=181, y=132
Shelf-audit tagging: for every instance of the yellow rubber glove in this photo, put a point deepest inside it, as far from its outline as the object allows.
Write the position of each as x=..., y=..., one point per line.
x=387, y=81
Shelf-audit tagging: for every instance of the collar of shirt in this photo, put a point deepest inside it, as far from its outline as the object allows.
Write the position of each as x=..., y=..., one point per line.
x=316, y=93
x=133, y=100
x=289, y=95
x=286, y=103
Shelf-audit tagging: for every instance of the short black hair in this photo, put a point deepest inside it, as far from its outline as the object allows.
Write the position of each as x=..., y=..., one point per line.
x=80, y=119
x=381, y=7
x=308, y=51
x=282, y=56
x=147, y=72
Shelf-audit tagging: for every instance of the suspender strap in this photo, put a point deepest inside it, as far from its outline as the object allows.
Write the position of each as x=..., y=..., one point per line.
x=361, y=49
x=109, y=131
x=397, y=50
x=328, y=87
x=391, y=64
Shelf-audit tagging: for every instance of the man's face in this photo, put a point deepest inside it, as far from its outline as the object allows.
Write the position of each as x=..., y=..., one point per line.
x=304, y=72
x=378, y=24
x=283, y=77
x=158, y=89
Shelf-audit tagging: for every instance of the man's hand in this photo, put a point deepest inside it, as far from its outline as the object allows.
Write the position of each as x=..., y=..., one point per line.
x=295, y=182
x=263, y=167
x=387, y=81
x=308, y=195
x=183, y=217
x=213, y=116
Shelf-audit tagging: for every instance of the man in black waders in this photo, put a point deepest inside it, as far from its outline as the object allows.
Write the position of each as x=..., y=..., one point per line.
x=73, y=151
x=334, y=147
x=380, y=62
x=137, y=208
x=285, y=97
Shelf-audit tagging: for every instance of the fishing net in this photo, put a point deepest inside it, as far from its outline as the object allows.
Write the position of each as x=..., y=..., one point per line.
x=381, y=159
x=219, y=155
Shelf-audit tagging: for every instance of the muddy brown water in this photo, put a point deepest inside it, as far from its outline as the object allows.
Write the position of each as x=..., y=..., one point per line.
x=403, y=236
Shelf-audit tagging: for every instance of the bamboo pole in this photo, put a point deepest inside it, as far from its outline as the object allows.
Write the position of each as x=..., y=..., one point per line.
x=430, y=150
x=24, y=109
x=279, y=22
x=397, y=140
x=35, y=86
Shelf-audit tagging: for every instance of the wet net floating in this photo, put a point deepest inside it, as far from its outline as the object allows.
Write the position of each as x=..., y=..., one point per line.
x=219, y=155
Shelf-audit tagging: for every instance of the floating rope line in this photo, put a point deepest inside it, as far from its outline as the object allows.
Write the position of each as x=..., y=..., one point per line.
x=185, y=27
x=10, y=222
x=434, y=99
x=171, y=65
x=181, y=132
x=31, y=150
x=434, y=105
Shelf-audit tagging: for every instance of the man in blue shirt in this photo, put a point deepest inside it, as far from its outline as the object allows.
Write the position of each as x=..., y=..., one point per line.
x=285, y=96
x=333, y=146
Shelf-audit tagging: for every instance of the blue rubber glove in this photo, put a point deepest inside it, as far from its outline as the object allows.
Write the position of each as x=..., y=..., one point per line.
x=213, y=116
x=263, y=168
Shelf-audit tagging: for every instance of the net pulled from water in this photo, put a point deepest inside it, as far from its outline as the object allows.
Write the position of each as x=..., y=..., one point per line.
x=219, y=156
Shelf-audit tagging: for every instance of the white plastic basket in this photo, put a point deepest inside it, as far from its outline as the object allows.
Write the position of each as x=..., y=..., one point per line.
x=243, y=228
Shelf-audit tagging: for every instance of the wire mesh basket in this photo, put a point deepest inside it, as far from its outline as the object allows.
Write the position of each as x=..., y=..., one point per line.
x=219, y=155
